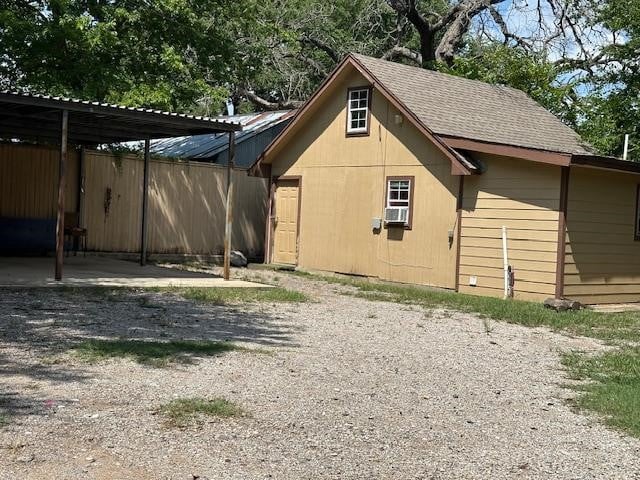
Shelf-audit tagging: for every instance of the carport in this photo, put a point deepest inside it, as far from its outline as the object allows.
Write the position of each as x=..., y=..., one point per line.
x=63, y=121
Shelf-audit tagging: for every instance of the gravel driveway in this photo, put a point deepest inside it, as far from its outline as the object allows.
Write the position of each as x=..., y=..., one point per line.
x=353, y=389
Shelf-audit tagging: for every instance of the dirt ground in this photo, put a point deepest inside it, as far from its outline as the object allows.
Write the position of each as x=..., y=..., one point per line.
x=347, y=389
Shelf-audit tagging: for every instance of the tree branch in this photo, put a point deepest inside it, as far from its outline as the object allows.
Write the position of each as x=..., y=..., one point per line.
x=402, y=52
x=319, y=44
x=266, y=104
x=427, y=34
x=502, y=25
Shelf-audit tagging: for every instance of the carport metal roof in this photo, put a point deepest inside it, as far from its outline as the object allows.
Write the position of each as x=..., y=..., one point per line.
x=36, y=117
x=43, y=118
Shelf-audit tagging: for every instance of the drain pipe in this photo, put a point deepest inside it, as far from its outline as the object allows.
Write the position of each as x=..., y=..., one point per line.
x=625, y=152
x=505, y=259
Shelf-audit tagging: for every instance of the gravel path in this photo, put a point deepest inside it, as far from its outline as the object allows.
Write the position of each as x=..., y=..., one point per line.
x=353, y=390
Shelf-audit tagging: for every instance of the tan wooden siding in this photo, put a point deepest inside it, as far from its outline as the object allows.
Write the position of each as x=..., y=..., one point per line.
x=602, y=262
x=29, y=181
x=524, y=198
x=343, y=189
x=186, y=200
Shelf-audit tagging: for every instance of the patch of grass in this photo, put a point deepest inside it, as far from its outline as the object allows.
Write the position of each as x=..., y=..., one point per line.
x=182, y=411
x=224, y=296
x=613, y=385
x=158, y=354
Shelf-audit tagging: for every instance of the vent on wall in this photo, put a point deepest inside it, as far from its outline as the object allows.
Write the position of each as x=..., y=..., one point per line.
x=396, y=215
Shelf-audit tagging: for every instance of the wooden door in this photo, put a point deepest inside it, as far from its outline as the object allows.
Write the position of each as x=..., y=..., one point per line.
x=285, y=238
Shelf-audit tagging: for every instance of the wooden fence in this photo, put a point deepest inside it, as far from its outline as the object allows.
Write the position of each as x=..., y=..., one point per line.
x=186, y=200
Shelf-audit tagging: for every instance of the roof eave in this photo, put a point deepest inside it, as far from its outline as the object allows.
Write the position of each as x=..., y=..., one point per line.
x=525, y=153
x=605, y=163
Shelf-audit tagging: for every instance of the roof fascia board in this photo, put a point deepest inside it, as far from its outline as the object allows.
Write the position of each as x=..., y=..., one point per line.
x=605, y=163
x=540, y=156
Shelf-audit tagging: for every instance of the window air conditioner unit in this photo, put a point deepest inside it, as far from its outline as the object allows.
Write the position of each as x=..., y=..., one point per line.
x=396, y=215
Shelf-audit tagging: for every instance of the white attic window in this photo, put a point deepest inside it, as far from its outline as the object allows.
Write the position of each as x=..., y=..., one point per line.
x=358, y=110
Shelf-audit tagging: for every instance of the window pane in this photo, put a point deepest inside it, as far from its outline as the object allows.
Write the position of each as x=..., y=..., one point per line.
x=358, y=110
x=399, y=193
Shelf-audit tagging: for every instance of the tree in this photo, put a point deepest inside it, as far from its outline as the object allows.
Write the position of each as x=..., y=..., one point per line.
x=154, y=53
x=612, y=107
x=578, y=58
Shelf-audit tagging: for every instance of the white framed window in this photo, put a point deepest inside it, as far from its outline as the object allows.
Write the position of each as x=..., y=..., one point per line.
x=398, y=209
x=358, y=110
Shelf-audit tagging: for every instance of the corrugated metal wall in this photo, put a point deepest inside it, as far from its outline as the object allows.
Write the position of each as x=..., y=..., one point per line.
x=186, y=200
x=29, y=181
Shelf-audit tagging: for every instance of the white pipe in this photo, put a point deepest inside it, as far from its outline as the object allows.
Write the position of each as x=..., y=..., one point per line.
x=626, y=146
x=505, y=259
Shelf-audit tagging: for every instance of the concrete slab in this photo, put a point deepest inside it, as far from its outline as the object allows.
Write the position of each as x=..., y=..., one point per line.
x=93, y=271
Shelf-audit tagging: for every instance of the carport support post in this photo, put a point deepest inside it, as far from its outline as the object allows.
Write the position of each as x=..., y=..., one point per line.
x=229, y=207
x=62, y=174
x=145, y=204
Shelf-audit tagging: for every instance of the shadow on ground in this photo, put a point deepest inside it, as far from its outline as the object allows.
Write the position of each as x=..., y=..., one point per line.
x=154, y=328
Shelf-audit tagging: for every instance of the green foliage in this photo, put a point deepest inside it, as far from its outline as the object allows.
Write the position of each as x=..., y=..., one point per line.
x=191, y=55
x=168, y=54
x=613, y=385
x=614, y=108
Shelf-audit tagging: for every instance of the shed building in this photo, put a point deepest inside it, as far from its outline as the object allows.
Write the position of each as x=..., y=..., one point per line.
x=408, y=175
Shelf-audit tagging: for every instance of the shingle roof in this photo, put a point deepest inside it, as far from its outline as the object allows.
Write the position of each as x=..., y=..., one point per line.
x=471, y=109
